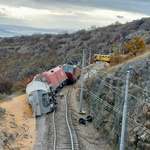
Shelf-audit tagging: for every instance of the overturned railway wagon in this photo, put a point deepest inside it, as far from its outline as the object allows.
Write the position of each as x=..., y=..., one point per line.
x=40, y=98
x=56, y=77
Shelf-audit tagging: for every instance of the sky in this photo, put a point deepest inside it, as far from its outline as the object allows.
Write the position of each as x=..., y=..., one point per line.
x=71, y=14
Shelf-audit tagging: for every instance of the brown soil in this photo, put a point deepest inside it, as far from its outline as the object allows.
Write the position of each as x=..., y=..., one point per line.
x=17, y=128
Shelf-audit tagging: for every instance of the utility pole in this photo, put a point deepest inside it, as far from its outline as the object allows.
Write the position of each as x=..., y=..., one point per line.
x=109, y=50
x=124, y=112
x=84, y=59
x=89, y=62
x=82, y=81
x=89, y=55
x=123, y=48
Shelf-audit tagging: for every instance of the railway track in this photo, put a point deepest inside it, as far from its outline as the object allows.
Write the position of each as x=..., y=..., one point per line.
x=57, y=134
x=55, y=130
x=64, y=133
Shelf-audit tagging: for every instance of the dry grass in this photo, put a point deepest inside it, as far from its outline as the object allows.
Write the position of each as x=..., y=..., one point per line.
x=134, y=59
x=140, y=56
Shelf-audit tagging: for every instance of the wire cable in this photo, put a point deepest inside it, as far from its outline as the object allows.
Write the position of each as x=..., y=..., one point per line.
x=111, y=107
x=124, y=81
x=110, y=86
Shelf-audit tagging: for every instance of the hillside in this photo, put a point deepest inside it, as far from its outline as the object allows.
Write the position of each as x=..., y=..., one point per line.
x=25, y=56
x=106, y=102
x=105, y=95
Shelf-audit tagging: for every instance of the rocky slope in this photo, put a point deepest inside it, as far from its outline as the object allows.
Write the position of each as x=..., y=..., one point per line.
x=106, y=100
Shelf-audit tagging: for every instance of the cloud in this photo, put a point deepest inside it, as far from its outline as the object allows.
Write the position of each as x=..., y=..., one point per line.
x=75, y=14
x=123, y=5
x=120, y=17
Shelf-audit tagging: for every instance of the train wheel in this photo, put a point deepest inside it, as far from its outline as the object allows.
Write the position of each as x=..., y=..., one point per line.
x=82, y=121
x=65, y=82
x=62, y=85
x=89, y=118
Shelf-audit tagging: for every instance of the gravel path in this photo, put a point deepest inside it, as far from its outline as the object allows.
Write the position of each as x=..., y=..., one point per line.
x=89, y=138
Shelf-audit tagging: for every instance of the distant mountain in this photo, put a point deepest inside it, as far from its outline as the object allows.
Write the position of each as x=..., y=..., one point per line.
x=13, y=30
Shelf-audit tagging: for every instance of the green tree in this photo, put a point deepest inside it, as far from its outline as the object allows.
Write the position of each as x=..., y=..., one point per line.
x=135, y=46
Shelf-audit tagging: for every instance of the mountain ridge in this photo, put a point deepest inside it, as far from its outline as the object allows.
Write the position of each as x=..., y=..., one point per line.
x=15, y=30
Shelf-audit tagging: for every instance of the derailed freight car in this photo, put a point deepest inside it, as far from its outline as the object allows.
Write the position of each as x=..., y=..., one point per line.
x=40, y=98
x=55, y=77
x=73, y=72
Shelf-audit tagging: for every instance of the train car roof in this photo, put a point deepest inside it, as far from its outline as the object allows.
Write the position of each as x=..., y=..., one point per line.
x=34, y=86
x=56, y=68
x=102, y=54
x=52, y=71
x=64, y=65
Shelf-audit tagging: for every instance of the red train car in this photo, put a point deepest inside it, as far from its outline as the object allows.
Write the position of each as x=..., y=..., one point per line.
x=60, y=74
x=56, y=77
x=72, y=71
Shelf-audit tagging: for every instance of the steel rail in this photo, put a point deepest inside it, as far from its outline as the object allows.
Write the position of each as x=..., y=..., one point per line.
x=69, y=128
x=69, y=132
x=55, y=139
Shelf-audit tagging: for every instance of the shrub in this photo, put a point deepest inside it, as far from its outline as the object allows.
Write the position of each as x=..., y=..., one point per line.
x=129, y=56
x=135, y=46
x=17, y=86
x=5, y=85
x=116, y=58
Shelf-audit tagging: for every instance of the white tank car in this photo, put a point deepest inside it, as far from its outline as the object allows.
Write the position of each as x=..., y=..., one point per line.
x=40, y=98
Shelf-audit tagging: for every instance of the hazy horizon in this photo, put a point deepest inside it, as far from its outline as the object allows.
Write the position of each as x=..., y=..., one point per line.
x=15, y=30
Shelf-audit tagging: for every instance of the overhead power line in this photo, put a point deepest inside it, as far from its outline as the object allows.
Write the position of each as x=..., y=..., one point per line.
x=111, y=86
x=114, y=109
